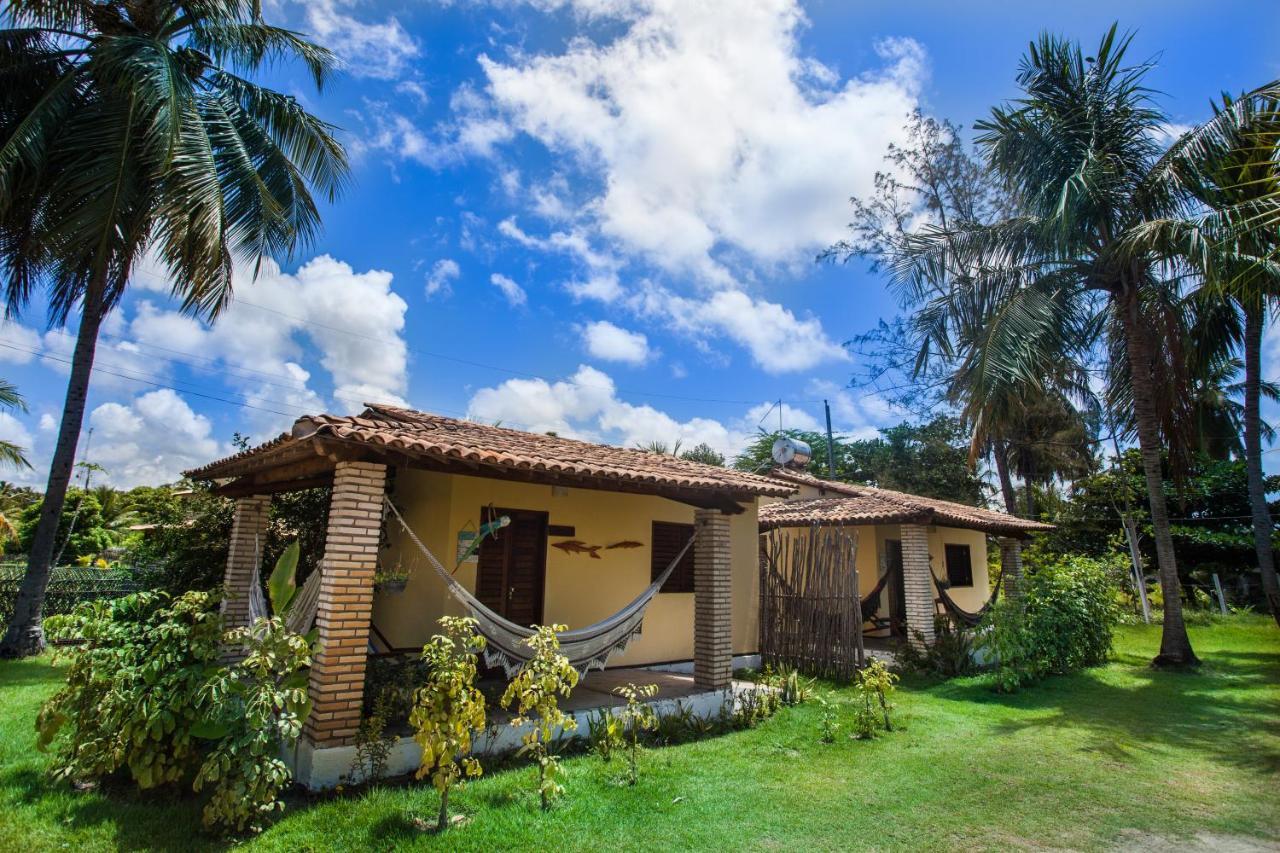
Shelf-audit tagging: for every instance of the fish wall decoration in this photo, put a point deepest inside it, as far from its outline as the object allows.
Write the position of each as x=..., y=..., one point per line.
x=625, y=543
x=577, y=546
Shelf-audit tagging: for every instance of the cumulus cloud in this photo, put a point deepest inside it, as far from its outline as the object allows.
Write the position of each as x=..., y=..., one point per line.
x=604, y=340
x=707, y=128
x=586, y=406
x=151, y=439
x=354, y=321
x=379, y=50
x=19, y=344
x=443, y=272
x=513, y=292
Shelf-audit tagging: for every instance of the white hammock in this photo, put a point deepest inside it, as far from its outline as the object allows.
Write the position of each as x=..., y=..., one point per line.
x=301, y=612
x=586, y=648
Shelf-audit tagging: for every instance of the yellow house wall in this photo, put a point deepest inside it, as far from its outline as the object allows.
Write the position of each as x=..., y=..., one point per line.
x=872, y=549
x=579, y=590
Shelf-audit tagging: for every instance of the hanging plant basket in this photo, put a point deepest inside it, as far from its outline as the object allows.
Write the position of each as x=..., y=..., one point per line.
x=393, y=586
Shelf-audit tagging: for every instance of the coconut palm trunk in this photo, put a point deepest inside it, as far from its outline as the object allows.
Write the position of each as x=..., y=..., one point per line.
x=1175, y=644
x=25, y=634
x=1262, y=527
x=1006, y=481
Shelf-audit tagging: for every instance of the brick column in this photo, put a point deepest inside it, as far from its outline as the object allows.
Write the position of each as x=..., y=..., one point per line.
x=712, y=603
x=1011, y=567
x=248, y=527
x=346, y=602
x=917, y=583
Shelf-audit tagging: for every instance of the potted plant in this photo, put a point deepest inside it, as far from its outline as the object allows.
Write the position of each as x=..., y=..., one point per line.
x=391, y=579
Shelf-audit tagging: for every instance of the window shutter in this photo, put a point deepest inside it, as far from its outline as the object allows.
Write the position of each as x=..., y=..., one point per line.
x=668, y=539
x=959, y=566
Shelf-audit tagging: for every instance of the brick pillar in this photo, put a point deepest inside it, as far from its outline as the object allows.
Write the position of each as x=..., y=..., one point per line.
x=712, y=602
x=917, y=583
x=248, y=527
x=346, y=602
x=1011, y=567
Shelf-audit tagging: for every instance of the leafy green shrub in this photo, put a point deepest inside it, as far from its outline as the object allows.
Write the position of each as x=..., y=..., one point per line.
x=950, y=655
x=874, y=684
x=533, y=691
x=373, y=744
x=1066, y=625
x=135, y=687
x=636, y=717
x=393, y=680
x=448, y=708
x=604, y=733
x=253, y=708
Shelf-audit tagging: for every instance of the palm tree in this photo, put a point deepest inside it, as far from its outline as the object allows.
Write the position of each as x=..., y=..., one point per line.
x=126, y=129
x=1232, y=165
x=1079, y=150
x=10, y=453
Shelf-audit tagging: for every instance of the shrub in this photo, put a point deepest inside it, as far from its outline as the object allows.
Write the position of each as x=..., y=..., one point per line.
x=533, y=691
x=636, y=717
x=134, y=690
x=1064, y=623
x=874, y=683
x=373, y=744
x=254, y=707
x=950, y=655
x=604, y=732
x=448, y=709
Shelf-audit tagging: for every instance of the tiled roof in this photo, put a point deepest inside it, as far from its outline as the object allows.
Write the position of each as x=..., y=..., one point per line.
x=856, y=504
x=423, y=435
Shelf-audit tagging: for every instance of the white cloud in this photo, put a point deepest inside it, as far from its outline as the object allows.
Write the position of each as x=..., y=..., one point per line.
x=513, y=292
x=606, y=341
x=706, y=128
x=48, y=423
x=151, y=439
x=355, y=322
x=18, y=343
x=16, y=432
x=380, y=50
x=777, y=339
x=443, y=272
x=586, y=406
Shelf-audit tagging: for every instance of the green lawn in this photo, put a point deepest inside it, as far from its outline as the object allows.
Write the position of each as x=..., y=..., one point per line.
x=1121, y=755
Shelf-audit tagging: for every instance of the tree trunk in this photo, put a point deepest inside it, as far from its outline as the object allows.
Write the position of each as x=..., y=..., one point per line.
x=1175, y=645
x=1028, y=479
x=442, y=822
x=1006, y=481
x=25, y=635
x=1253, y=322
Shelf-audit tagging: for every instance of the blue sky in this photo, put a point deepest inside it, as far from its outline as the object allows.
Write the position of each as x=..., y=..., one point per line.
x=593, y=216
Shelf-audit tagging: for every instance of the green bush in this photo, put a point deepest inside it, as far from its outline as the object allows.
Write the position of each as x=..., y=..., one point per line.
x=1069, y=614
x=147, y=693
x=251, y=709
x=134, y=690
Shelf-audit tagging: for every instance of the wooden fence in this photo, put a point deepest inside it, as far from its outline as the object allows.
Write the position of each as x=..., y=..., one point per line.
x=810, y=613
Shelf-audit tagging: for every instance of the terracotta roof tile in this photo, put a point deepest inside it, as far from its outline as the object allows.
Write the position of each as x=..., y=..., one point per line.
x=434, y=436
x=857, y=504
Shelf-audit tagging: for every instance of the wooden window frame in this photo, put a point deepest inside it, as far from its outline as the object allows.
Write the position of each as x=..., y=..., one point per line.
x=968, y=558
x=681, y=580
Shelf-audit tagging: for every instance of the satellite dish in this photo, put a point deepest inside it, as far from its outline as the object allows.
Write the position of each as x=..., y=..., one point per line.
x=791, y=452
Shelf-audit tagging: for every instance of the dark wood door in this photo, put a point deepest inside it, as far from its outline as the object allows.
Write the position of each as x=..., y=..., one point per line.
x=512, y=571
x=897, y=592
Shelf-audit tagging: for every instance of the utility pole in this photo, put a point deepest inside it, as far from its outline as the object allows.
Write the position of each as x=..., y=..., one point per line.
x=831, y=444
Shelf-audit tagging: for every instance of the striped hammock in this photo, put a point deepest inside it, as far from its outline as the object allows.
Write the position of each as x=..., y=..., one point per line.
x=586, y=648
x=301, y=612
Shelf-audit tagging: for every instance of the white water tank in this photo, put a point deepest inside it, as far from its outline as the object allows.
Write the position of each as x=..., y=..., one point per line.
x=791, y=452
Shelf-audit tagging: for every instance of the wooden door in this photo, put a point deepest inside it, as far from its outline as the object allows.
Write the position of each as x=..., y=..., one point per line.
x=897, y=592
x=512, y=572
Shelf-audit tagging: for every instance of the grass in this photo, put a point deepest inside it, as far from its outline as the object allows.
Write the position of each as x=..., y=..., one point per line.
x=1117, y=755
